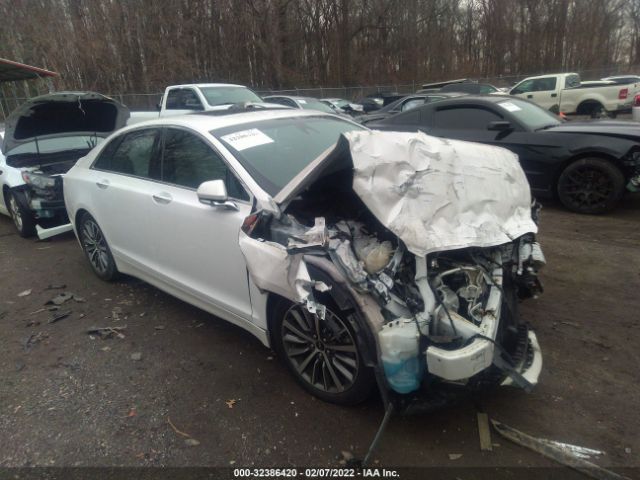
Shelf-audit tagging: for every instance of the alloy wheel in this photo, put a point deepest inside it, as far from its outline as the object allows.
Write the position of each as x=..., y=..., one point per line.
x=95, y=246
x=323, y=351
x=587, y=187
x=15, y=212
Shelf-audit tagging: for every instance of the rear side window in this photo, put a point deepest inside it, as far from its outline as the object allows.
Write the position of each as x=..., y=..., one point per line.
x=131, y=154
x=465, y=118
x=188, y=161
x=183, y=99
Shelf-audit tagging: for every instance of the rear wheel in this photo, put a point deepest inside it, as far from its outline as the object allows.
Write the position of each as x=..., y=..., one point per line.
x=591, y=186
x=22, y=217
x=322, y=355
x=96, y=248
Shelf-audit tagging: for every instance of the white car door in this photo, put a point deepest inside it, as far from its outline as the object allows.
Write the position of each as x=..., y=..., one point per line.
x=122, y=181
x=542, y=91
x=195, y=246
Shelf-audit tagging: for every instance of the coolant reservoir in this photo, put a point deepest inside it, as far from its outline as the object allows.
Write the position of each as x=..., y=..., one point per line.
x=399, y=345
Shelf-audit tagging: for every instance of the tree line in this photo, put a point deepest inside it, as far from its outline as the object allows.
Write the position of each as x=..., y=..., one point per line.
x=120, y=46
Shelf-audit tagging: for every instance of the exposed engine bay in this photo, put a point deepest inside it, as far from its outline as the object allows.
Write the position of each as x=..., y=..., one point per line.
x=442, y=309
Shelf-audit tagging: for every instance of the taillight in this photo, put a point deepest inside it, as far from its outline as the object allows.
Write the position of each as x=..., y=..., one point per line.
x=623, y=94
x=636, y=100
x=249, y=224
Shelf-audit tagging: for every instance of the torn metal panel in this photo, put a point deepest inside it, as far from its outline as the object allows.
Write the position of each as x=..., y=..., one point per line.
x=569, y=455
x=272, y=269
x=438, y=194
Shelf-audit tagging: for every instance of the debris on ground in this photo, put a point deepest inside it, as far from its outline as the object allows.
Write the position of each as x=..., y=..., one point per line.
x=60, y=316
x=571, y=456
x=107, y=332
x=25, y=293
x=175, y=429
x=191, y=442
x=230, y=403
x=136, y=356
x=455, y=456
x=34, y=339
x=60, y=298
x=55, y=287
x=132, y=413
x=159, y=327
x=484, y=432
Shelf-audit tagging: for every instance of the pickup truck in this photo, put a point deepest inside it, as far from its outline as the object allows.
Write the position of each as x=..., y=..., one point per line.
x=197, y=97
x=564, y=93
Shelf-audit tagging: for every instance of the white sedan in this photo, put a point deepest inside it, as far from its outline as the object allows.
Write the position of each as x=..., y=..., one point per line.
x=327, y=241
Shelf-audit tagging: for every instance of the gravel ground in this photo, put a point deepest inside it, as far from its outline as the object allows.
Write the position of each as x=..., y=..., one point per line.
x=183, y=388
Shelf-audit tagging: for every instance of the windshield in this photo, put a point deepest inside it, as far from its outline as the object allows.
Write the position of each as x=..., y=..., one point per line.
x=531, y=116
x=313, y=104
x=275, y=151
x=225, y=95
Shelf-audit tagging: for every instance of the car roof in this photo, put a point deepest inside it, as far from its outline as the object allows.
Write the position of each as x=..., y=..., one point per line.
x=205, y=122
x=207, y=85
x=292, y=97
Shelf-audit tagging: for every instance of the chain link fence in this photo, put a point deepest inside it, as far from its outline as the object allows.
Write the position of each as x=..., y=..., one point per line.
x=9, y=100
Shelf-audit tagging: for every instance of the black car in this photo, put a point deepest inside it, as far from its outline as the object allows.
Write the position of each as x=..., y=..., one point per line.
x=404, y=105
x=586, y=165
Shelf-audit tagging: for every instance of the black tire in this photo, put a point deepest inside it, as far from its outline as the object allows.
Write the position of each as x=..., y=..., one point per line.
x=95, y=247
x=334, y=375
x=591, y=186
x=20, y=214
x=598, y=111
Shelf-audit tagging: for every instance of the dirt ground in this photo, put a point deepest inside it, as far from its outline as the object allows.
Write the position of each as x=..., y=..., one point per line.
x=71, y=399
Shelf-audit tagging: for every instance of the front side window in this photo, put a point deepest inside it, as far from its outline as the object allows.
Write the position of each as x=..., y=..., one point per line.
x=131, y=154
x=523, y=87
x=544, y=84
x=465, y=118
x=188, y=161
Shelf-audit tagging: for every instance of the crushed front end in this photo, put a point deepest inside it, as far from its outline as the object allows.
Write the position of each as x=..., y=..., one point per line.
x=434, y=271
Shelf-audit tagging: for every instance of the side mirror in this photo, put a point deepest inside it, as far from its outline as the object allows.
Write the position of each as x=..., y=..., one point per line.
x=159, y=106
x=214, y=193
x=499, y=125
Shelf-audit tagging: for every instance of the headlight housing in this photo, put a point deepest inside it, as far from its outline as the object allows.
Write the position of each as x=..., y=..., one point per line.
x=38, y=180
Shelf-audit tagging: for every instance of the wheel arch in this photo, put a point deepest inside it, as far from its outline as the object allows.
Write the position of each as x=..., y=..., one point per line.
x=579, y=156
x=340, y=298
x=585, y=107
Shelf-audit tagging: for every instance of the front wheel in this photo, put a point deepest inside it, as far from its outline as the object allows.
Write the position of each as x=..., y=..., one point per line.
x=21, y=216
x=322, y=355
x=591, y=186
x=95, y=247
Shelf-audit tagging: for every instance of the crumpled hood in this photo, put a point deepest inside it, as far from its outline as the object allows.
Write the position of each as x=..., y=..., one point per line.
x=437, y=194
x=63, y=114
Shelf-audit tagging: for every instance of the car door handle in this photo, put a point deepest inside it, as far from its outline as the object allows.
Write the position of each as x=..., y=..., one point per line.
x=1, y=172
x=529, y=96
x=554, y=95
x=162, y=198
x=102, y=184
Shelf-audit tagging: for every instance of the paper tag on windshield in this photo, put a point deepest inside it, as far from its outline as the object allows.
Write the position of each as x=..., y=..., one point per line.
x=510, y=106
x=247, y=139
